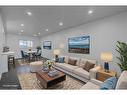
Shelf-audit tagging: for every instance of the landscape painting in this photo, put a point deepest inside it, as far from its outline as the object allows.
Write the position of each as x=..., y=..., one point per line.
x=47, y=45
x=79, y=45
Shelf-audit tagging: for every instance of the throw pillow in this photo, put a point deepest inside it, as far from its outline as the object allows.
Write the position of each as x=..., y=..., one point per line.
x=82, y=62
x=66, y=58
x=88, y=66
x=123, y=85
x=110, y=83
x=61, y=60
x=72, y=61
x=122, y=79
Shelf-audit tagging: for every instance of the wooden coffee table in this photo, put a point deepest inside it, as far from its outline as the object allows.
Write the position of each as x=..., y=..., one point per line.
x=46, y=81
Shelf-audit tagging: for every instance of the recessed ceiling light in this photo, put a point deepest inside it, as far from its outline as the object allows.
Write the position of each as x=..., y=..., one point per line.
x=22, y=24
x=22, y=30
x=61, y=24
x=46, y=30
x=90, y=11
x=29, y=13
x=39, y=33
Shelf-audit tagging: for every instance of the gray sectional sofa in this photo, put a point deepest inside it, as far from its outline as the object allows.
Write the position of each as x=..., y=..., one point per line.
x=77, y=71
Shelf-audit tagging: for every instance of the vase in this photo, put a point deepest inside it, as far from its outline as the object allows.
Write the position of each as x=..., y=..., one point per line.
x=50, y=68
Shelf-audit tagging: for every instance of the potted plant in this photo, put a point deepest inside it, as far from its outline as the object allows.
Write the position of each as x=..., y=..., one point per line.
x=38, y=47
x=48, y=64
x=122, y=50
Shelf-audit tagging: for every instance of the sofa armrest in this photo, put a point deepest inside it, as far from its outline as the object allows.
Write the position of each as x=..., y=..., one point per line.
x=93, y=72
x=97, y=82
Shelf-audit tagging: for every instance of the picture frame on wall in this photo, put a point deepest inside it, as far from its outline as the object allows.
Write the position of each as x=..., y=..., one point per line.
x=79, y=45
x=47, y=45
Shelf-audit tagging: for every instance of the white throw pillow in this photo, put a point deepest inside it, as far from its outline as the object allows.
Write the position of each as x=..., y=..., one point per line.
x=92, y=61
x=122, y=81
x=66, y=59
x=82, y=63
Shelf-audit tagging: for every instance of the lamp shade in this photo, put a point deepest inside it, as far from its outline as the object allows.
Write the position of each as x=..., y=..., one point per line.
x=56, y=51
x=106, y=56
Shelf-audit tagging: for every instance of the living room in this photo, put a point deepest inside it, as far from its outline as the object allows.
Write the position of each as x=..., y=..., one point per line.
x=54, y=29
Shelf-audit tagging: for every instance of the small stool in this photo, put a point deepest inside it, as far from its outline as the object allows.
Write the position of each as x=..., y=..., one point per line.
x=11, y=59
x=36, y=66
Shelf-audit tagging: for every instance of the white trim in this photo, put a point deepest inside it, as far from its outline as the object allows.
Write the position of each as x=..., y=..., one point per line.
x=0, y=76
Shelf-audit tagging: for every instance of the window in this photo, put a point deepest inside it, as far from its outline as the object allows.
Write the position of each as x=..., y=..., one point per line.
x=25, y=44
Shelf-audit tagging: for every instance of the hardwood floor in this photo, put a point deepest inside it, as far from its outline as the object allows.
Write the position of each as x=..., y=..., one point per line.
x=19, y=68
x=23, y=67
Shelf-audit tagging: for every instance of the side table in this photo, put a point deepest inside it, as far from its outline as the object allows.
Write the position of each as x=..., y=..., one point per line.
x=102, y=75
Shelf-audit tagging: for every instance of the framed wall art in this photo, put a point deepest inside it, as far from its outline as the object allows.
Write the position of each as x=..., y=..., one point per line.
x=79, y=45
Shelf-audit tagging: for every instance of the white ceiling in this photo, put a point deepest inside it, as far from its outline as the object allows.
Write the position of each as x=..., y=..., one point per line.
x=48, y=17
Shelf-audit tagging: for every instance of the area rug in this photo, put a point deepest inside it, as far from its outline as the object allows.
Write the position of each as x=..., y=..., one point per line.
x=28, y=81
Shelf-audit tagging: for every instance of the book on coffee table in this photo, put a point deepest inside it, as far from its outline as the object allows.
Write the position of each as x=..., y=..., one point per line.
x=53, y=73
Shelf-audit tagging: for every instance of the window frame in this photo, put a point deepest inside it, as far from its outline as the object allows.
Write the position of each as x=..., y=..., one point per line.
x=25, y=43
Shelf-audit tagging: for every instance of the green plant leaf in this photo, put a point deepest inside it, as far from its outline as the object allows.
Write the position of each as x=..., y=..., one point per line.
x=121, y=48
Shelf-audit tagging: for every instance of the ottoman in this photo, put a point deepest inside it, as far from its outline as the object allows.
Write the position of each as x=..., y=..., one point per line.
x=36, y=66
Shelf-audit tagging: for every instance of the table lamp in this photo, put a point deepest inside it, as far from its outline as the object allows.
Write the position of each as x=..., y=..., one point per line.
x=106, y=57
x=30, y=49
x=56, y=53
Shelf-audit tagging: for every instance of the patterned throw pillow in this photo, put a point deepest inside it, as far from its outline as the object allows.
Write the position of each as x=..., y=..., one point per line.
x=88, y=66
x=72, y=61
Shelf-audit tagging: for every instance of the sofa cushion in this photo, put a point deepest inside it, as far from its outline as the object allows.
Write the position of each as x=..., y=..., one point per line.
x=69, y=67
x=58, y=64
x=72, y=61
x=66, y=58
x=90, y=85
x=65, y=66
x=88, y=66
x=92, y=61
x=81, y=72
x=83, y=62
x=109, y=83
x=122, y=81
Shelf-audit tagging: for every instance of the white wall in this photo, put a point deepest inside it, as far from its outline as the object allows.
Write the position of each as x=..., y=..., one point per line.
x=2, y=41
x=13, y=43
x=103, y=36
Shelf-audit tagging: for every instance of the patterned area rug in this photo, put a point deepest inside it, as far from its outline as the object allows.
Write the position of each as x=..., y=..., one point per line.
x=29, y=81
